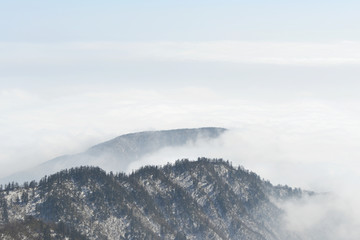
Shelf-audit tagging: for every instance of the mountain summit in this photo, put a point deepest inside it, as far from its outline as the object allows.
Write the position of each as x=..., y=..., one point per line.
x=203, y=199
x=118, y=153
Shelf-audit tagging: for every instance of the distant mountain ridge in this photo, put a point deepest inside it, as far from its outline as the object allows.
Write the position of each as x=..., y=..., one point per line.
x=116, y=154
x=203, y=199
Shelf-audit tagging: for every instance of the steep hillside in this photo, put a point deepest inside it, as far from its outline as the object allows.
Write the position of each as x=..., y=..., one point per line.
x=204, y=199
x=31, y=228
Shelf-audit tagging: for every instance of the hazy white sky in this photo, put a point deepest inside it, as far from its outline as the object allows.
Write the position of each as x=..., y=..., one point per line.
x=73, y=74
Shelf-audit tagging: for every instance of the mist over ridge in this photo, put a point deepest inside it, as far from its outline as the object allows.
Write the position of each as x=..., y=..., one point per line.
x=119, y=153
x=163, y=147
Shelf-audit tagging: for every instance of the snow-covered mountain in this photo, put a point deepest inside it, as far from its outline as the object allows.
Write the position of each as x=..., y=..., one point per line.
x=117, y=154
x=203, y=199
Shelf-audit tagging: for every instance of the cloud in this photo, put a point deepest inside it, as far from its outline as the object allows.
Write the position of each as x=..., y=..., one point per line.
x=67, y=101
x=10, y=98
x=37, y=127
x=308, y=143
x=333, y=214
x=105, y=53
x=41, y=127
x=329, y=216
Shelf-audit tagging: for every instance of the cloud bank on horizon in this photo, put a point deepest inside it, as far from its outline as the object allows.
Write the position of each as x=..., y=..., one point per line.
x=59, y=98
x=240, y=52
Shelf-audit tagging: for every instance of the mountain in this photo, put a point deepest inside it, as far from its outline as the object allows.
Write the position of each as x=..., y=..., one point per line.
x=32, y=228
x=118, y=153
x=203, y=199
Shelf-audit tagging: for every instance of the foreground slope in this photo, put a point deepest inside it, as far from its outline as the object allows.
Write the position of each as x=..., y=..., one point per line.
x=205, y=199
x=117, y=154
x=34, y=229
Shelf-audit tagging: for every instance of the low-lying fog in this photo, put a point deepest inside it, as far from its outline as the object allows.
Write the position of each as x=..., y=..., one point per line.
x=312, y=162
x=303, y=133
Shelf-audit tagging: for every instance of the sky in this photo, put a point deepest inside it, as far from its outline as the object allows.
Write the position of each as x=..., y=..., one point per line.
x=259, y=20
x=74, y=74
x=282, y=74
